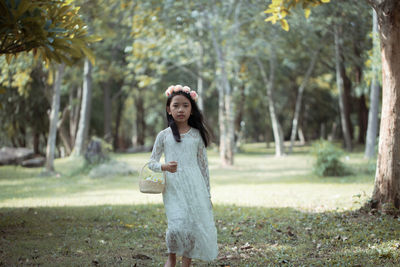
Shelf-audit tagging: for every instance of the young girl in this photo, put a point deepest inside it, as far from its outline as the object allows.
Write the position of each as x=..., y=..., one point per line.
x=191, y=230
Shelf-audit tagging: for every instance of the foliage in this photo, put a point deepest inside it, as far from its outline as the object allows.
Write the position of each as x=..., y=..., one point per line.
x=51, y=29
x=23, y=104
x=148, y=45
x=328, y=159
x=279, y=9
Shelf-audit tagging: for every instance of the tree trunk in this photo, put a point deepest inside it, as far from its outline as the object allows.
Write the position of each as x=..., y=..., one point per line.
x=362, y=109
x=339, y=81
x=372, y=128
x=301, y=136
x=239, y=117
x=278, y=137
x=36, y=142
x=387, y=179
x=63, y=132
x=322, y=133
x=75, y=105
x=225, y=108
x=140, y=120
x=55, y=106
x=120, y=109
x=299, y=99
x=200, y=77
x=84, y=120
x=107, y=103
x=347, y=98
x=362, y=118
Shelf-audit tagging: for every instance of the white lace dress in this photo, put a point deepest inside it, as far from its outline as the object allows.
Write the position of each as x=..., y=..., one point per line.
x=191, y=230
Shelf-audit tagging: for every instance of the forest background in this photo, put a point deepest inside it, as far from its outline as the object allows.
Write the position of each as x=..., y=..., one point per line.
x=264, y=91
x=249, y=75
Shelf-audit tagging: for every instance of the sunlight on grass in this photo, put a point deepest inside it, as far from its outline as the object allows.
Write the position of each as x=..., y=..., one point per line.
x=257, y=179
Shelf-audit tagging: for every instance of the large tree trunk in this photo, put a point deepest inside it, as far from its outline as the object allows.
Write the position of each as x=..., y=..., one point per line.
x=339, y=81
x=55, y=106
x=387, y=177
x=270, y=83
x=84, y=120
x=299, y=99
x=372, y=128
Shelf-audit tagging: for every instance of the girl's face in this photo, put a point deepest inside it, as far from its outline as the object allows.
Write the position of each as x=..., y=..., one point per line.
x=180, y=108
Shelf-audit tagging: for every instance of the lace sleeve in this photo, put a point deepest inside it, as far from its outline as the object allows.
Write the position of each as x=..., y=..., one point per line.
x=203, y=164
x=158, y=148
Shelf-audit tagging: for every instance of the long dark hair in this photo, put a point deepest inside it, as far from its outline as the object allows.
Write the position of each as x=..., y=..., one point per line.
x=196, y=120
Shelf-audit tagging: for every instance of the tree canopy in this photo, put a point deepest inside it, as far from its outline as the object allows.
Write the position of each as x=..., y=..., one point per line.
x=51, y=29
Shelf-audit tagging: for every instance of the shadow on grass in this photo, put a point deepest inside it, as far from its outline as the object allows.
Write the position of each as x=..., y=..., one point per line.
x=134, y=234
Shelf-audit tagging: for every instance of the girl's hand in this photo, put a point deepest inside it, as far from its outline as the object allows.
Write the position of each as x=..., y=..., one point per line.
x=170, y=166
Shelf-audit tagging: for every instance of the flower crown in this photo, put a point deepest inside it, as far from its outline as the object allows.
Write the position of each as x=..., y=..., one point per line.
x=180, y=88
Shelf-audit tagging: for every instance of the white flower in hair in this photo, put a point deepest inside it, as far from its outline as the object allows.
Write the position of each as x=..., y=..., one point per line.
x=178, y=88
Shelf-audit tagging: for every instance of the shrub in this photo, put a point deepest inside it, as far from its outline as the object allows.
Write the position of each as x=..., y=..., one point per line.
x=328, y=159
x=112, y=168
x=97, y=151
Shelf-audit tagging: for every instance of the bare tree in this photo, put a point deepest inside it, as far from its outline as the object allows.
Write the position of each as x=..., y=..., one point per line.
x=339, y=81
x=55, y=106
x=269, y=84
x=84, y=120
x=299, y=99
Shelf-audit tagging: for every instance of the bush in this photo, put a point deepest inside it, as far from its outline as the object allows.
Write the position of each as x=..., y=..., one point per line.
x=328, y=159
x=97, y=151
x=112, y=168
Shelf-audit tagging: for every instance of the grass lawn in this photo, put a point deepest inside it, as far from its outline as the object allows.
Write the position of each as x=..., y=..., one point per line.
x=268, y=211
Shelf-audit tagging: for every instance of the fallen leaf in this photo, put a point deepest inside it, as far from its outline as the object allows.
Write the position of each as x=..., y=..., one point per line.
x=141, y=257
x=290, y=233
x=246, y=246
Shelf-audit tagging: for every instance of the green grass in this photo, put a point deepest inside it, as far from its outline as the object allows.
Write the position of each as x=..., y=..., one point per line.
x=268, y=211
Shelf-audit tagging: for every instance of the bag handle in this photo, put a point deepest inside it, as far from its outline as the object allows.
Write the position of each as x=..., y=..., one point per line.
x=144, y=166
x=141, y=171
